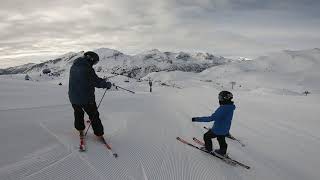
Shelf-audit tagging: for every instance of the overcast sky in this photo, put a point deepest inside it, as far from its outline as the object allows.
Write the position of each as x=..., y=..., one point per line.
x=37, y=29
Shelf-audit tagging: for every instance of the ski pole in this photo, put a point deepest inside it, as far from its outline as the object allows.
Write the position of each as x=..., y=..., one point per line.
x=239, y=141
x=112, y=76
x=233, y=138
x=100, y=104
x=124, y=89
x=230, y=137
x=96, y=111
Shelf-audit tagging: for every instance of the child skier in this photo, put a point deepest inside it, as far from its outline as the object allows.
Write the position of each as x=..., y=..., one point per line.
x=222, y=118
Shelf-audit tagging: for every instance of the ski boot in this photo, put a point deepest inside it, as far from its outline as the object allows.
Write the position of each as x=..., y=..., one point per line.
x=220, y=153
x=82, y=146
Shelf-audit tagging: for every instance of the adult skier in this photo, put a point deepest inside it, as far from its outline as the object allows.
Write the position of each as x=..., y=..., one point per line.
x=150, y=84
x=222, y=118
x=82, y=83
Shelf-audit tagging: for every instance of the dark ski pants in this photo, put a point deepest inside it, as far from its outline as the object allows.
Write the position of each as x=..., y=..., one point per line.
x=92, y=111
x=221, y=139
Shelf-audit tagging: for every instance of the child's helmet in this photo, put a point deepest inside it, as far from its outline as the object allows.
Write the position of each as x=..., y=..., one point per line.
x=225, y=96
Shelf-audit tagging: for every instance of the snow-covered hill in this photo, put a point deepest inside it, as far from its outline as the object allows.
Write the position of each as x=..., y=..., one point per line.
x=295, y=71
x=113, y=61
x=283, y=73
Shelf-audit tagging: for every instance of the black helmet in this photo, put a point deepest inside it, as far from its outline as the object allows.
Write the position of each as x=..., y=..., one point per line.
x=92, y=56
x=225, y=96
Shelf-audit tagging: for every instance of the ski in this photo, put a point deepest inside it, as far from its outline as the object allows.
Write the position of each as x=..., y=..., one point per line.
x=226, y=158
x=102, y=139
x=230, y=137
x=198, y=141
x=223, y=159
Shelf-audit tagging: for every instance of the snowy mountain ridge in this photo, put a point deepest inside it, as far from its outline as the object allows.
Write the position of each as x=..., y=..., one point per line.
x=287, y=71
x=113, y=61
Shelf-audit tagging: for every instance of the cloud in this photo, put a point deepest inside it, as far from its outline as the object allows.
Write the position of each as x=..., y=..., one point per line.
x=225, y=27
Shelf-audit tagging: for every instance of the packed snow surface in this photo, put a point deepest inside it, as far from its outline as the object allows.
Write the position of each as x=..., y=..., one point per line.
x=277, y=123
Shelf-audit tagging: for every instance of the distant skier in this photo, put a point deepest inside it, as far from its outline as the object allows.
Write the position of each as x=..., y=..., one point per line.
x=150, y=84
x=222, y=118
x=82, y=83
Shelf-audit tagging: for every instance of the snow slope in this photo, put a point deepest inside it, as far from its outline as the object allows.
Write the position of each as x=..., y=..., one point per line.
x=38, y=140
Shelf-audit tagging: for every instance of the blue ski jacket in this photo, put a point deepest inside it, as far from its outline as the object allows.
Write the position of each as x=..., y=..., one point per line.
x=222, y=118
x=82, y=82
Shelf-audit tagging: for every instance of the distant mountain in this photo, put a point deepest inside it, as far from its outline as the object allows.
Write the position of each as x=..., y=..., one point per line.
x=294, y=70
x=113, y=61
x=56, y=65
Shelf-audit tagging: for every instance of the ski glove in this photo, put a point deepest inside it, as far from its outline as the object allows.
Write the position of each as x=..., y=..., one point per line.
x=108, y=85
x=194, y=119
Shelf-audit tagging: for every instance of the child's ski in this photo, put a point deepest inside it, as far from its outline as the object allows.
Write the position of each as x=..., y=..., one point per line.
x=226, y=158
x=223, y=159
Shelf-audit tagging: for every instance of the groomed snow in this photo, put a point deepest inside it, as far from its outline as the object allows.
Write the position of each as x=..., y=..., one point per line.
x=38, y=140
